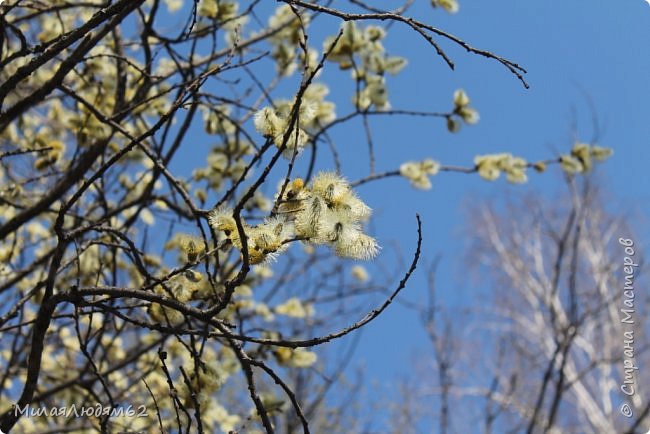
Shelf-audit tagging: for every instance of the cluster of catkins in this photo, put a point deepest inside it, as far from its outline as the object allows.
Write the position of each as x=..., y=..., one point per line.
x=313, y=113
x=289, y=35
x=418, y=172
x=462, y=112
x=490, y=167
x=371, y=63
x=325, y=212
x=581, y=158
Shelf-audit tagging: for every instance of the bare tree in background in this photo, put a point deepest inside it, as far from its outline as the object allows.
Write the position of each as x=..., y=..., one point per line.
x=546, y=345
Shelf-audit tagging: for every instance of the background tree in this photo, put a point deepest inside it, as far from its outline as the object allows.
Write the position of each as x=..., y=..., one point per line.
x=546, y=345
x=136, y=273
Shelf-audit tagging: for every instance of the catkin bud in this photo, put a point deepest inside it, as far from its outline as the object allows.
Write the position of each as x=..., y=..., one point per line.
x=540, y=167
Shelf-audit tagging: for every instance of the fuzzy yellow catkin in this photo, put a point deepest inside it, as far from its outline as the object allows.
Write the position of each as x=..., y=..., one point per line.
x=294, y=198
x=43, y=163
x=360, y=273
x=487, y=167
x=191, y=251
x=582, y=152
x=267, y=122
x=601, y=153
x=201, y=195
x=570, y=164
x=462, y=109
x=193, y=276
x=540, y=166
x=453, y=126
x=297, y=184
x=460, y=98
x=450, y=6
